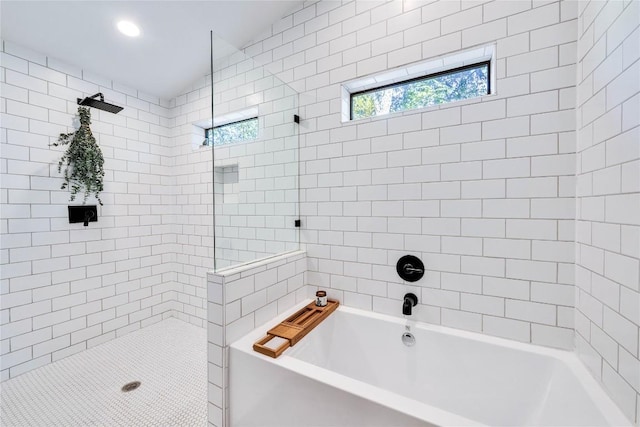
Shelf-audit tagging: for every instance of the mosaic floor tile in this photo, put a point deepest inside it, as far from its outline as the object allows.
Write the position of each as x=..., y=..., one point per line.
x=169, y=358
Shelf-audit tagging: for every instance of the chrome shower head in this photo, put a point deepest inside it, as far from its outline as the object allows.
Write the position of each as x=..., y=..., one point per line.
x=91, y=101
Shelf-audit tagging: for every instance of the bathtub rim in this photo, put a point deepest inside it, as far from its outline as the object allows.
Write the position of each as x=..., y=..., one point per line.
x=414, y=408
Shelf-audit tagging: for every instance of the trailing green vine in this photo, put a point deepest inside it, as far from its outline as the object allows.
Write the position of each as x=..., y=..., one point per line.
x=83, y=160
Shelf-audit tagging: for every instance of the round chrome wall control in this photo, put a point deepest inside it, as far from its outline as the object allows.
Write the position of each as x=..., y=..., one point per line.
x=410, y=268
x=408, y=339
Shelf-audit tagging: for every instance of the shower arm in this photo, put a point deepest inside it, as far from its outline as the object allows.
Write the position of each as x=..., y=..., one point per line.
x=99, y=94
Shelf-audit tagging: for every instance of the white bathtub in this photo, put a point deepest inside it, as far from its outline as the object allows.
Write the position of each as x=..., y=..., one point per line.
x=354, y=370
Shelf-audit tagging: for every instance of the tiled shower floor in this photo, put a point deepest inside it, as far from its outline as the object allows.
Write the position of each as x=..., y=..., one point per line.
x=169, y=358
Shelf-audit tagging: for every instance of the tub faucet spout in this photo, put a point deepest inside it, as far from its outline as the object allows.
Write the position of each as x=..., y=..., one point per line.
x=410, y=301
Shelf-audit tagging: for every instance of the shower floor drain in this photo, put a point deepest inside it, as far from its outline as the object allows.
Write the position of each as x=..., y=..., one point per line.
x=131, y=386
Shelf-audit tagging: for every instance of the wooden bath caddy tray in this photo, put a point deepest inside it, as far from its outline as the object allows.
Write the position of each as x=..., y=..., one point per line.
x=294, y=328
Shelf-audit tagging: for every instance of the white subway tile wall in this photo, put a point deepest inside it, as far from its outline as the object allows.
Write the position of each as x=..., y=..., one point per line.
x=608, y=198
x=65, y=287
x=241, y=299
x=481, y=190
x=188, y=205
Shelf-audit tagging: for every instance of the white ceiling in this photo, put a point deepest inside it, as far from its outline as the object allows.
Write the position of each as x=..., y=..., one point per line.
x=171, y=53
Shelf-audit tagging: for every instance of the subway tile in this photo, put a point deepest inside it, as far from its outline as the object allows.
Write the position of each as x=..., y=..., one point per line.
x=16, y=328
x=506, y=328
x=554, y=78
x=441, y=45
x=484, y=33
x=531, y=311
x=532, y=187
x=30, y=338
x=620, y=390
x=532, y=104
x=442, y=154
x=461, y=320
x=467, y=283
x=552, y=336
x=534, y=18
x=621, y=330
x=501, y=8
x=462, y=245
x=486, y=188
x=438, y=10
x=484, y=150
x=622, y=269
x=482, y=266
x=623, y=208
x=542, y=59
x=26, y=82
x=483, y=227
x=553, y=165
x=552, y=35
x=507, y=248
x=461, y=171
x=505, y=208
x=531, y=270
x=506, y=128
x=461, y=133
x=506, y=288
x=506, y=168
x=482, y=304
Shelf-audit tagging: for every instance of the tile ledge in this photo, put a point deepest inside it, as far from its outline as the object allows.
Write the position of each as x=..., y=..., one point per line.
x=237, y=269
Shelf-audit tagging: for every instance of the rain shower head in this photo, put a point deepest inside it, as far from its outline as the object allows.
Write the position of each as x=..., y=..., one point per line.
x=91, y=101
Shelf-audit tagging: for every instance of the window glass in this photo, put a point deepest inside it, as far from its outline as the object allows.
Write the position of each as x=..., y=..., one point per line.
x=453, y=85
x=244, y=130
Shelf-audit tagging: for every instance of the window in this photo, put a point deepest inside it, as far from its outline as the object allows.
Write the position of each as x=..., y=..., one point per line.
x=457, y=84
x=243, y=130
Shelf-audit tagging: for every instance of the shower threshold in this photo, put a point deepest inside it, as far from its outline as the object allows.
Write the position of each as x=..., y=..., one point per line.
x=168, y=359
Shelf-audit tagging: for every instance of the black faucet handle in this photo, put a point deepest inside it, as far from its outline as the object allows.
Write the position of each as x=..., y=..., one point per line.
x=410, y=269
x=87, y=217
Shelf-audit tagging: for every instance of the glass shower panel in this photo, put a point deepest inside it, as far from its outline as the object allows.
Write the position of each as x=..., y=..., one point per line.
x=255, y=156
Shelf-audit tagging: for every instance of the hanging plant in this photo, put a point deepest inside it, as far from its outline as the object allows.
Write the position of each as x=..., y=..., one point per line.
x=83, y=160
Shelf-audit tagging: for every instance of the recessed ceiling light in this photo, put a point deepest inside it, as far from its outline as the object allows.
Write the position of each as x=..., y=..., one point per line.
x=128, y=28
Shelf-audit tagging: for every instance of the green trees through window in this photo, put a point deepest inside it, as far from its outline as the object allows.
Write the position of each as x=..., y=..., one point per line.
x=244, y=130
x=454, y=85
